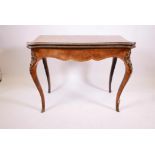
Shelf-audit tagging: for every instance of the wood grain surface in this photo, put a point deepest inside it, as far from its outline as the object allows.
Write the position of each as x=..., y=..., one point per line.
x=80, y=41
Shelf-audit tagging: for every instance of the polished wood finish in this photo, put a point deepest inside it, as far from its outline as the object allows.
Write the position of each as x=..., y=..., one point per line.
x=33, y=72
x=81, y=48
x=47, y=74
x=114, y=60
x=78, y=41
x=0, y=75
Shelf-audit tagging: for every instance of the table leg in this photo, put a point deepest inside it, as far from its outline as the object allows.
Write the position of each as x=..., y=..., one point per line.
x=0, y=75
x=47, y=74
x=33, y=72
x=128, y=71
x=114, y=60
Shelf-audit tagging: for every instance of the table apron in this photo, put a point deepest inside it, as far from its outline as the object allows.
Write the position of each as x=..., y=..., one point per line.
x=79, y=54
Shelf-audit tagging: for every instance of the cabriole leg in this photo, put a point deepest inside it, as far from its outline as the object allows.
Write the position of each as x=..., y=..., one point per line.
x=128, y=71
x=33, y=72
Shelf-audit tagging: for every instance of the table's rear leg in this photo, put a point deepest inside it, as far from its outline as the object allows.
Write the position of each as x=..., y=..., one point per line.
x=128, y=71
x=33, y=72
x=114, y=60
x=47, y=74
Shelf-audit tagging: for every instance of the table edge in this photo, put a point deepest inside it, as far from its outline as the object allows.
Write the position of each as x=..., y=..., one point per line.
x=99, y=45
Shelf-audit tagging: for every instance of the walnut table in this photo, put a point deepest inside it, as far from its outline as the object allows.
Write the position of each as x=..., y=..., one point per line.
x=80, y=48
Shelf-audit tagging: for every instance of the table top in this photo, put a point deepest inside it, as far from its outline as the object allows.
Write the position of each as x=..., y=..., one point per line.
x=80, y=41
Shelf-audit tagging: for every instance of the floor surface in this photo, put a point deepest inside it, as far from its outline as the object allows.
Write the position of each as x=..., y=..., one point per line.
x=75, y=104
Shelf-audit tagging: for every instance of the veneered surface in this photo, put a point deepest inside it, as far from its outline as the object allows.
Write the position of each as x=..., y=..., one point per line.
x=80, y=40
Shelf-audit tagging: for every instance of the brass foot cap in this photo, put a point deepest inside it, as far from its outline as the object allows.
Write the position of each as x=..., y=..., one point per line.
x=43, y=110
x=117, y=109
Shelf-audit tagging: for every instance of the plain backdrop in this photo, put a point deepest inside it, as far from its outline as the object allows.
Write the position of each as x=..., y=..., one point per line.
x=79, y=97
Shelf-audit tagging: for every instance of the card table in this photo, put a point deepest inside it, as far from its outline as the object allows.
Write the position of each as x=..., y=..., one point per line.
x=80, y=48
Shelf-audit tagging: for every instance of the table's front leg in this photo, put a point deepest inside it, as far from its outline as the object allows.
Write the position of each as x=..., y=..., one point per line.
x=33, y=72
x=128, y=71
